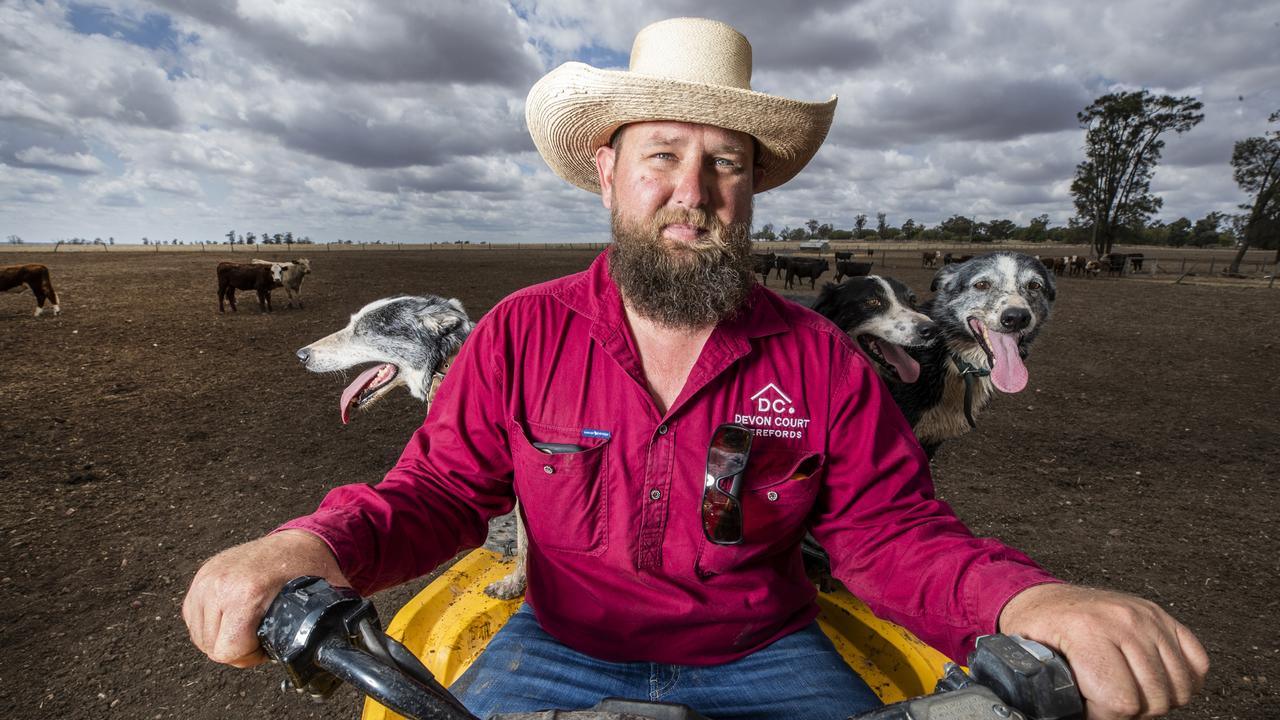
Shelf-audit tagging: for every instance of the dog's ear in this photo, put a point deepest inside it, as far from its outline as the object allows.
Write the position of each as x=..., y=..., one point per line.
x=1050, y=285
x=945, y=278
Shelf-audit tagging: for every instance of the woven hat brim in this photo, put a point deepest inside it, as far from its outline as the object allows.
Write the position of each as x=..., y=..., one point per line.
x=576, y=108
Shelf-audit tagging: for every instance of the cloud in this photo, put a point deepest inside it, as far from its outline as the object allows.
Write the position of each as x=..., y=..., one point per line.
x=42, y=157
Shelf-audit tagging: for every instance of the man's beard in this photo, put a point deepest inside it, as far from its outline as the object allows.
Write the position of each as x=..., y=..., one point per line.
x=677, y=284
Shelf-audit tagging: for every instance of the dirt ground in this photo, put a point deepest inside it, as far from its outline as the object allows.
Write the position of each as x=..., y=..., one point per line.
x=143, y=432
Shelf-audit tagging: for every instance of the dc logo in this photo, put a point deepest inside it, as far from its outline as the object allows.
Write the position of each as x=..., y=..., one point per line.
x=771, y=399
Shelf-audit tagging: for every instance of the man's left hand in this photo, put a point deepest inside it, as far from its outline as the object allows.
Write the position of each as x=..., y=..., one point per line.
x=1131, y=659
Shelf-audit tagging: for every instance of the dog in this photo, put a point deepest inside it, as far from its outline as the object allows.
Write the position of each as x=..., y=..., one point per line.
x=411, y=340
x=988, y=310
x=879, y=314
x=34, y=276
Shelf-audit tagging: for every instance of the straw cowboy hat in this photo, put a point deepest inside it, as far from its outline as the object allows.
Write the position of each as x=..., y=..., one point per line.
x=686, y=70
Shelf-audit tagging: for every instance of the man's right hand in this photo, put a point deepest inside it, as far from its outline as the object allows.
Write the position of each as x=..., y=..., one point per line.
x=233, y=589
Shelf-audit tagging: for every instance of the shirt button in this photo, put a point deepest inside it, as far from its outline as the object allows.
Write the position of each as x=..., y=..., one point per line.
x=772, y=495
x=662, y=429
x=655, y=494
x=548, y=469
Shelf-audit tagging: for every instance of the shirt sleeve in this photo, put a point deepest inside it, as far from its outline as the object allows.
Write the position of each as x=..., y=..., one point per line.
x=891, y=542
x=453, y=476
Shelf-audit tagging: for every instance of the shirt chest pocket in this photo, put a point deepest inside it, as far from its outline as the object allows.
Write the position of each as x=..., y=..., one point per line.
x=778, y=492
x=563, y=495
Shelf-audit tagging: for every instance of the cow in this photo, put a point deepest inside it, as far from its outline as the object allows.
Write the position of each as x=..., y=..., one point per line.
x=1115, y=263
x=1079, y=264
x=930, y=258
x=782, y=262
x=244, y=276
x=289, y=276
x=34, y=276
x=851, y=268
x=844, y=255
x=1060, y=265
x=811, y=268
x=1092, y=268
x=764, y=263
x=1135, y=261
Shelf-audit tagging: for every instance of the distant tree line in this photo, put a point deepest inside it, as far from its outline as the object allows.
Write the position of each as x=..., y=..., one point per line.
x=285, y=238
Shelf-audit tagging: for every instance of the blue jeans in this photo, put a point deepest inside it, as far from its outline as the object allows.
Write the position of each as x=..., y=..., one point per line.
x=800, y=676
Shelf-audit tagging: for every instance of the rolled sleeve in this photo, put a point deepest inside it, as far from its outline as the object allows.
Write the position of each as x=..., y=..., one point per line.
x=892, y=542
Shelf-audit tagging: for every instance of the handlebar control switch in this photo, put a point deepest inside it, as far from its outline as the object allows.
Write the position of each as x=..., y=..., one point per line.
x=1026, y=675
x=306, y=613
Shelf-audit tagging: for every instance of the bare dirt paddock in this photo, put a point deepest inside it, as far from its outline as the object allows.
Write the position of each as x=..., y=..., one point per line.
x=143, y=432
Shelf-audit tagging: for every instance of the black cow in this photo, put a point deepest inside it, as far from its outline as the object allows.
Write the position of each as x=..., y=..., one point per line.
x=1115, y=264
x=851, y=268
x=844, y=255
x=1135, y=261
x=764, y=263
x=782, y=262
x=243, y=276
x=811, y=268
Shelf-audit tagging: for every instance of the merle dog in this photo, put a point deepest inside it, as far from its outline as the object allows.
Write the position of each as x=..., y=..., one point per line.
x=880, y=314
x=988, y=309
x=412, y=340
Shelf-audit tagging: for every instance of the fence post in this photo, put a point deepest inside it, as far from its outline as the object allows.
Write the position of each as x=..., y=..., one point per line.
x=1212, y=260
x=1184, y=266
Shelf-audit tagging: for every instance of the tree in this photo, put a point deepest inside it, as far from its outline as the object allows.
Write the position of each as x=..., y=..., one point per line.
x=15, y=240
x=910, y=229
x=813, y=227
x=145, y=241
x=1122, y=146
x=825, y=230
x=859, y=222
x=765, y=233
x=1179, y=232
x=231, y=237
x=1256, y=169
x=957, y=226
x=882, y=223
x=111, y=240
x=250, y=238
x=1038, y=229
x=1205, y=231
x=1001, y=229
x=278, y=238
x=288, y=238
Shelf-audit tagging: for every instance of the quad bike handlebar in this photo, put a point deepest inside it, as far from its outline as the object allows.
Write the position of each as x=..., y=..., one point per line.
x=323, y=636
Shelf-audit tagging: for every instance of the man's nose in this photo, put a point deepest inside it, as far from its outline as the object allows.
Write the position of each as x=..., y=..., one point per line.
x=691, y=187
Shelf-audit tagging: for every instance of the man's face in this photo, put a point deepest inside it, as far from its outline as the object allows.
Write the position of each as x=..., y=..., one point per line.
x=680, y=196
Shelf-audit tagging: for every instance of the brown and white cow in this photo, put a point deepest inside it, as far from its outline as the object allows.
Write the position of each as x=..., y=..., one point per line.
x=244, y=276
x=34, y=276
x=289, y=276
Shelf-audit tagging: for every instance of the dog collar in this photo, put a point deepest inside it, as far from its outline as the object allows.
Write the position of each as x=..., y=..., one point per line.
x=970, y=373
x=437, y=377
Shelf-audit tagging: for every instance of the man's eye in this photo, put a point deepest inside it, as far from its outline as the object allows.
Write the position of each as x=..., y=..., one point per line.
x=982, y=285
x=726, y=162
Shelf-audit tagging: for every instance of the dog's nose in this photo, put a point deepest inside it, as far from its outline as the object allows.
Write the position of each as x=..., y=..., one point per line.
x=1015, y=318
x=304, y=354
x=928, y=330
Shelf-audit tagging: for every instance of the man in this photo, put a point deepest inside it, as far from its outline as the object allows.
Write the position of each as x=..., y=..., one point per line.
x=623, y=372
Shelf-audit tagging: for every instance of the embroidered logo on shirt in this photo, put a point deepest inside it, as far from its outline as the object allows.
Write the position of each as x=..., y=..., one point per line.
x=593, y=433
x=773, y=414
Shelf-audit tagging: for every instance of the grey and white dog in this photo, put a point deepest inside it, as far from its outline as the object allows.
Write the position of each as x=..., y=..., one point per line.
x=411, y=340
x=988, y=309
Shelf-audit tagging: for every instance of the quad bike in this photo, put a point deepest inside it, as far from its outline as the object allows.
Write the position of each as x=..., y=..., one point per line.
x=324, y=636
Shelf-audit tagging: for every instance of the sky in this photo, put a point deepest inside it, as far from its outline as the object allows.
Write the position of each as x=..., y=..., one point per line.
x=403, y=120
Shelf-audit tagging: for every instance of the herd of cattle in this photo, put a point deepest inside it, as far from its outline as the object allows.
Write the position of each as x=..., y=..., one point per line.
x=795, y=267
x=261, y=276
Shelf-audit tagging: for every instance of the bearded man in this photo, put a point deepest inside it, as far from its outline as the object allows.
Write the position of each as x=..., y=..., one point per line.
x=646, y=371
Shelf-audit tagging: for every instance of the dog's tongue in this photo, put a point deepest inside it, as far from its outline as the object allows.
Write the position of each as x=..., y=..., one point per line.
x=349, y=395
x=1008, y=373
x=907, y=367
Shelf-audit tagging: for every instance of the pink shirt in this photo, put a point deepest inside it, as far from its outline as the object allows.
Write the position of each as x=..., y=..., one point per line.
x=618, y=565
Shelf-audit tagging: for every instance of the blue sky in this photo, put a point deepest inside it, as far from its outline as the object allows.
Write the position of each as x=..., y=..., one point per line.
x=404, y=121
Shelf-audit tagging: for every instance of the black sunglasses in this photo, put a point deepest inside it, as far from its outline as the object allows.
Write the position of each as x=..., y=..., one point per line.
x=726, y=464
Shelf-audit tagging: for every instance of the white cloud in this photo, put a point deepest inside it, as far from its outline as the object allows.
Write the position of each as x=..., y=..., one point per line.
x=404, y=120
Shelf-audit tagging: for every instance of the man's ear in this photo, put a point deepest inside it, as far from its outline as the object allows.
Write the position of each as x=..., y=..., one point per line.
x=605, y=158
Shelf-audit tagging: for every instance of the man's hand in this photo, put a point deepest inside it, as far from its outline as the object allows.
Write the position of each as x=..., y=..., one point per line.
x=233, y=589
x=1130, y=658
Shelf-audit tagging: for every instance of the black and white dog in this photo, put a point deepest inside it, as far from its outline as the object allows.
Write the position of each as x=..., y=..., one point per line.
x=988, y=309
x=880, y=314
x=412, y=340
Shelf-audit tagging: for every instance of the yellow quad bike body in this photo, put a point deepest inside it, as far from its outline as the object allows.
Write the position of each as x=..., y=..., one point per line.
x=451, y=620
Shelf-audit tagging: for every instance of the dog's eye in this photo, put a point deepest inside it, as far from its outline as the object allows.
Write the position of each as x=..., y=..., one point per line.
x=982, y=285
x=872, y=302
x=1034, y=285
